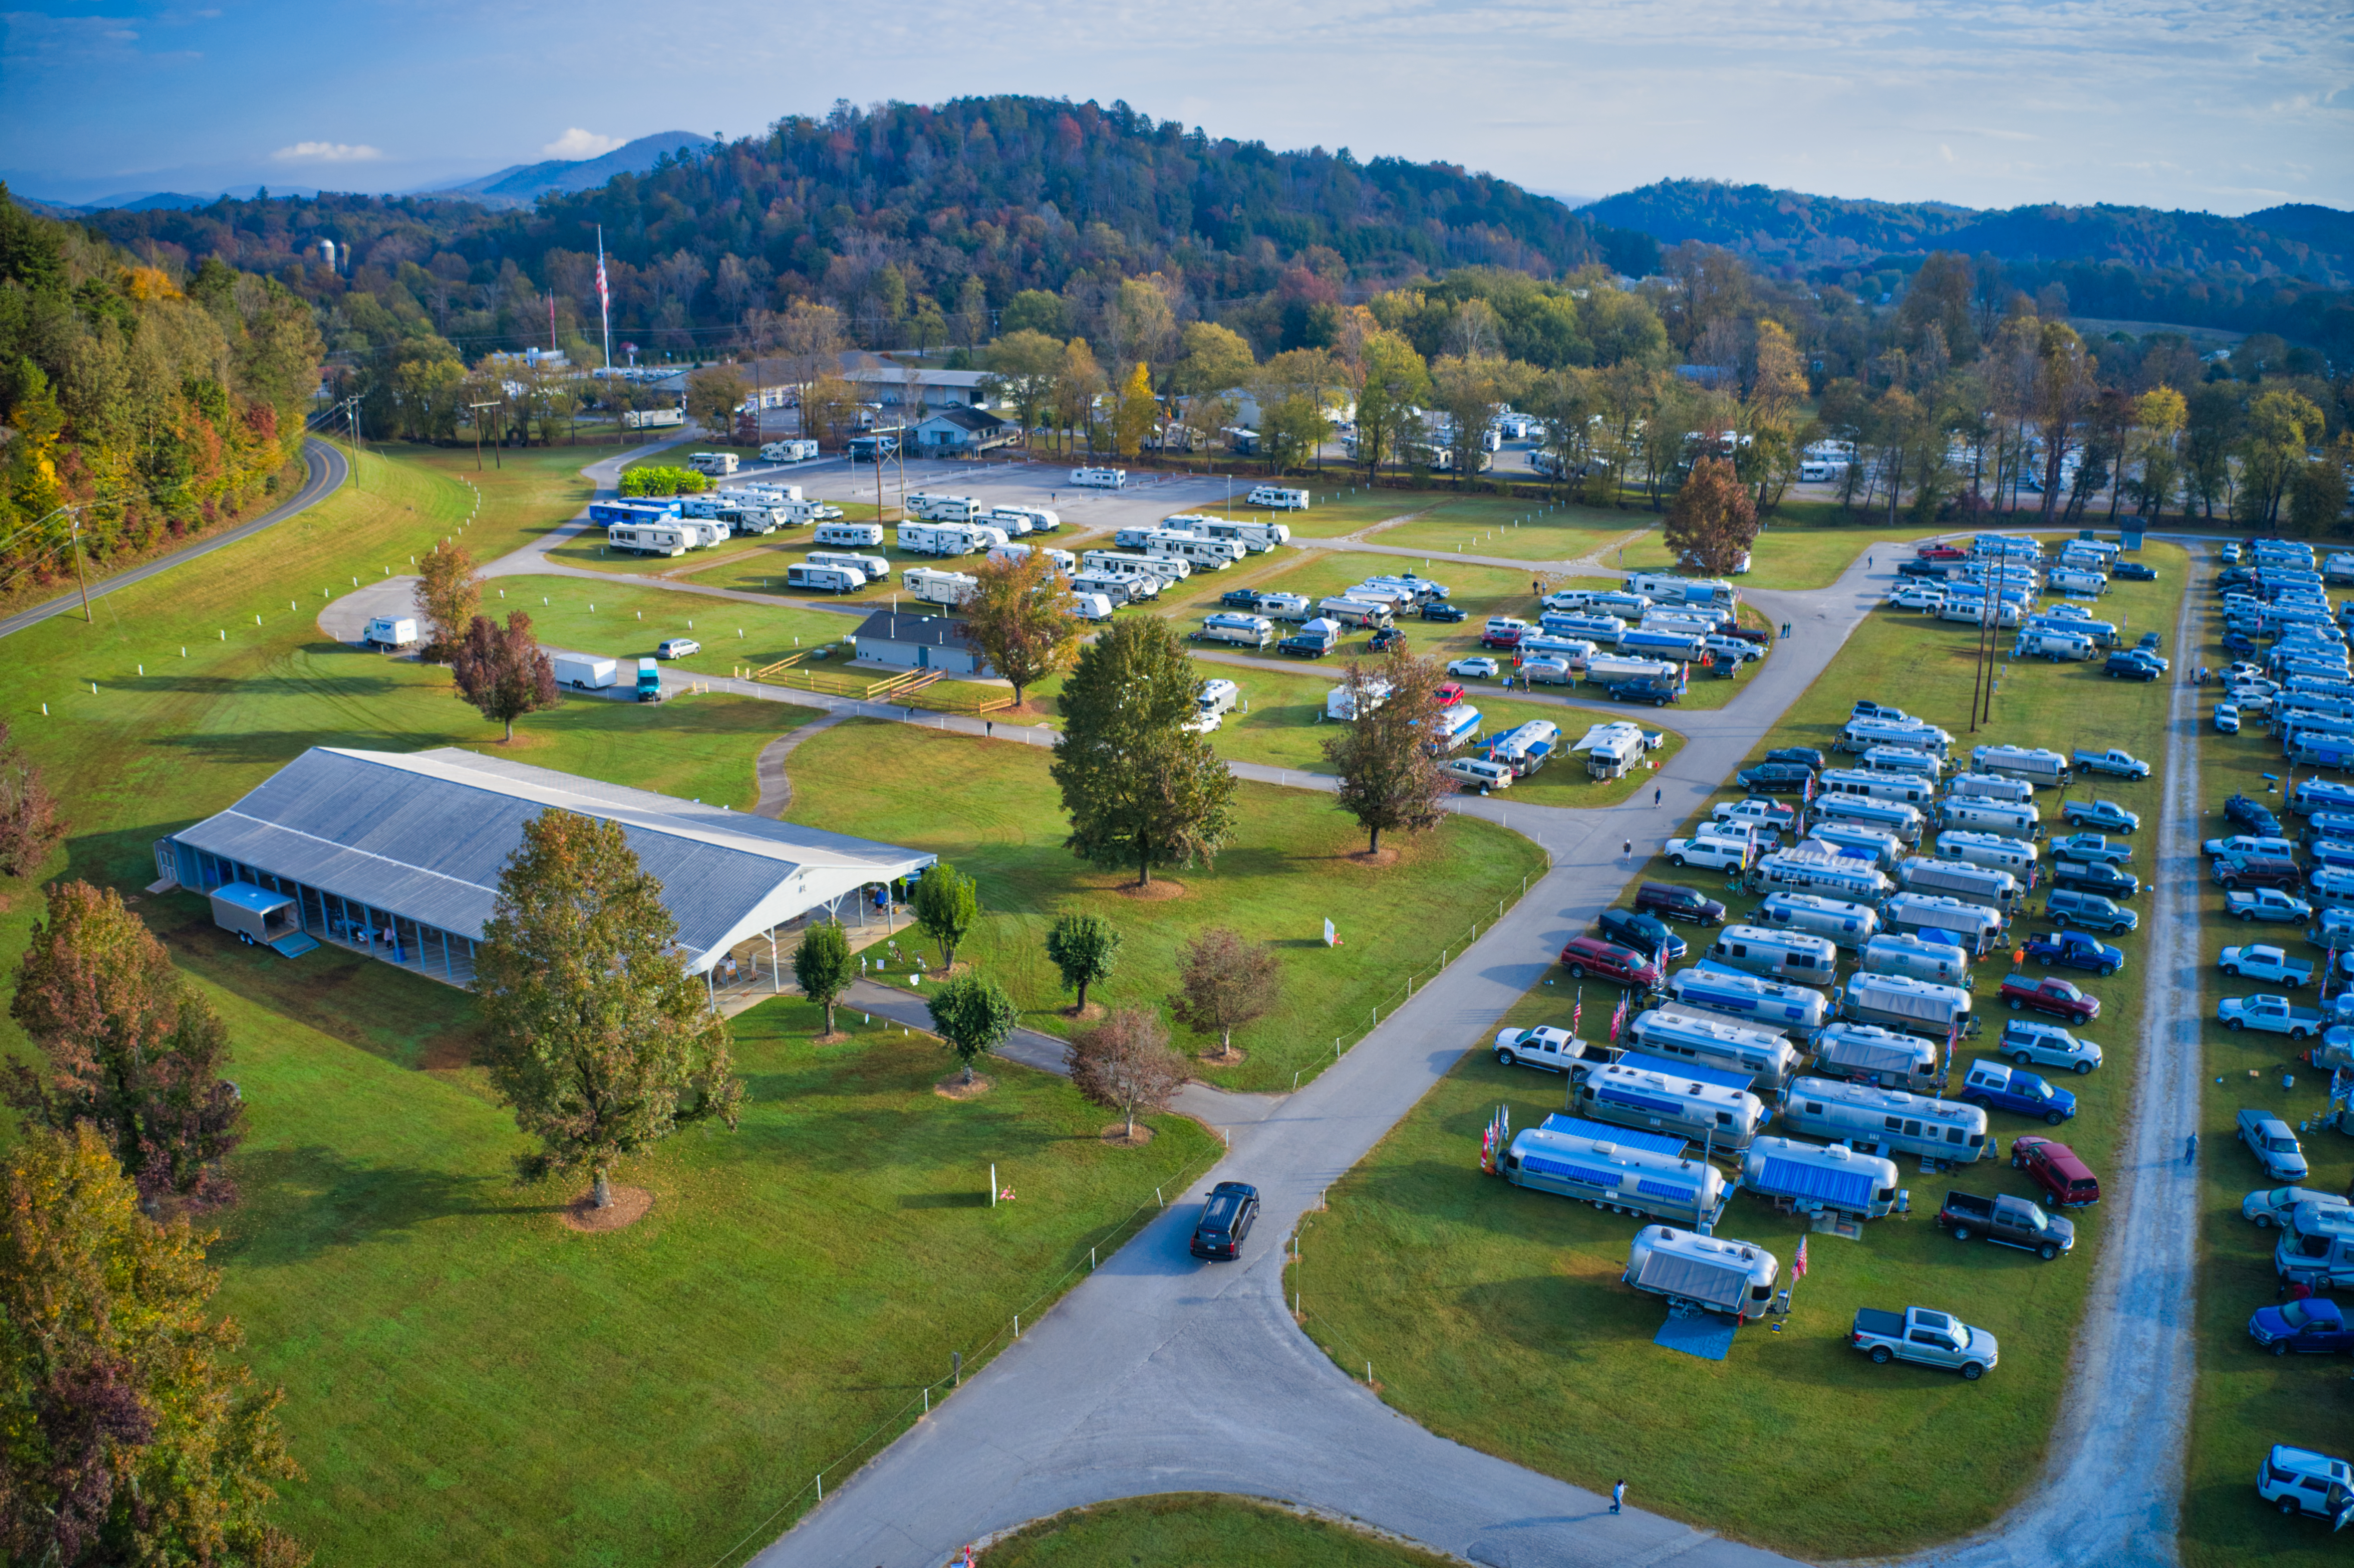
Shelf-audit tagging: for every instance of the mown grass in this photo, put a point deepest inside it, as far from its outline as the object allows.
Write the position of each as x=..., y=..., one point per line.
x=1197, y=1529
x=1287, y=868
x=1495, y=1314
x=2246, y=1400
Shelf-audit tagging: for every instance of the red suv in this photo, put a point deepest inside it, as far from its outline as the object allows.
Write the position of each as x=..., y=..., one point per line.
x=2257, y=871
x=1587, y=956
x=2055, y=1168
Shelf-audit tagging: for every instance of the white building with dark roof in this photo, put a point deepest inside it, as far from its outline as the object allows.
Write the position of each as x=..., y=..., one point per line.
x=398, y=854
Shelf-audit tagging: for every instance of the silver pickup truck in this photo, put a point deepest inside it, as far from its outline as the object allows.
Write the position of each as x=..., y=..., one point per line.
x=1918, y=1334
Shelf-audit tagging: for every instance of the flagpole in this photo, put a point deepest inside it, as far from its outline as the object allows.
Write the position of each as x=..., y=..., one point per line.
x=604, y=298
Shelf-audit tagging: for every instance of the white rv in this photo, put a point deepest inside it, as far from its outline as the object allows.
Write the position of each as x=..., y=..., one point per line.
x=944, y=508
x=1099, y=478
x=857, y=536
x=1777, y=955
x=1064, y=562
x=1256, y=537
x=789, y=451
x=1275, y=498
x=874, y=568
x=1162, y=569
x=1733, y=1277
x=1040, y=520
x=1680, y=1107
x=1812, y=1175
x=718, y=463
x=939, y=588
x=824, y=578
x=1898, y=1122
x=647, y=538
x=939, y=539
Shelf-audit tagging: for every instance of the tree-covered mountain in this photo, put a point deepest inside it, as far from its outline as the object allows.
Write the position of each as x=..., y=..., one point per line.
x=519, y=185
x=1829, y=233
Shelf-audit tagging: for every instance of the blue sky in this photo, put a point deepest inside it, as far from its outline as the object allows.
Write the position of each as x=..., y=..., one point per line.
x=2161, y=103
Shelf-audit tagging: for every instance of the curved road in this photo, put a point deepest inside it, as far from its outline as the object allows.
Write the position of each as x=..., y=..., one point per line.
x=325, y=469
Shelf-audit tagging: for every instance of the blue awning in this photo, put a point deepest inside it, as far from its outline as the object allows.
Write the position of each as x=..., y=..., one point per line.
x=1789, y=1179
x=1625, y=1137
x=1722, y=1079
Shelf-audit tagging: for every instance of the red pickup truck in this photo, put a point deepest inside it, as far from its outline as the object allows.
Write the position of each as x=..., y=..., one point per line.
x=2052, y=995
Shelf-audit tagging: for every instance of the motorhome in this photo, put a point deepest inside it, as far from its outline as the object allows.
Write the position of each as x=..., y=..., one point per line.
x=1842, y=923
x=1816, y=1176
x=1886, y=1058
x=1916, y=957
x=1776, y=954
x=1704, y=1040
x=1731, y=1278
x=1749, y=999
x=1614, y=1170
x=716, y=463
x=1902, y=1004
x=1893, y=1121
x=950, y=589
x=1722, y=1118
x=856, y=535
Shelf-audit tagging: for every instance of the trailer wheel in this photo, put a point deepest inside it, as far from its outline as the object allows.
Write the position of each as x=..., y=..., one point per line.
x=1972, y=1371
x=1881, y=1355
x=2263, y=1222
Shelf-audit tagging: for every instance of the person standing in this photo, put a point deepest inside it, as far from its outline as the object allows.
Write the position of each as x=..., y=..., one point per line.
x=1626, y=850
x=2190, y=1150
x=1655, y=797
x=1617, y=1496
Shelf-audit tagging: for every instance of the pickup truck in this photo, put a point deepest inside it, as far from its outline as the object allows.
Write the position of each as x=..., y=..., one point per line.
x=2027, y=1042
x=2272, y=1014
x=2267, y=904
x=1993, y=1085
x=1931, y=1339
x=1554, y=1050
x=2117, y=764
x=2074, y=950
x=2007, y=1222
x=2095, y=876
x=2267, y=964
x=2051, y=995
x=1770, y=814
x=2092, y=849
x=2106, y=815
x=2274, y=1145
x=2248, y=843
x=1720, y=854
x=2254, y=816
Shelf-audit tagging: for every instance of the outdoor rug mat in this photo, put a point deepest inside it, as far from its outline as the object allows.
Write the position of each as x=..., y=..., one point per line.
x=1709, y=1338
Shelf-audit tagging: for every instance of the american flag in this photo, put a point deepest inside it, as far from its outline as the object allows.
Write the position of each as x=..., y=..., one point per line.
x=1577, y=1010
x=1798, y=1264
x=1618, y=1018
x=604, y=289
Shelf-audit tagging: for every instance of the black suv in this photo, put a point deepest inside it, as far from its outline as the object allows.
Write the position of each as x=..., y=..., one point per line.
x=1806, y=755
x=1670, y=902
x=1646, y=934
x=1439, y=610
x=2128, y=665
x=1776, y=778
x=1227, y=1218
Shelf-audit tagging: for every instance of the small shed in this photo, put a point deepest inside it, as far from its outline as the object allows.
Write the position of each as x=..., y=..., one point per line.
x=258, y=915
x=957, y=429
x=919, y=642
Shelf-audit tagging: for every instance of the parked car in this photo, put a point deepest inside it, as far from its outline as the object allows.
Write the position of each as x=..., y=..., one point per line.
x=1643, y=933
x=1871, y=710
x=677, y=648
x=2050, y=994
x=1717, y=855
x=2300, y=1481
x=1227, y=1219
x=2266, y=963
x=2248, y=843
x=2256, y=871
x=1671, y=901
x=1770, y=817
x=2227, y=718
x=2274, y=1145
x=2007, y=1220
x=2074, y=950
x=2028, y=1041
x=1584, y=956
x=2091, y=911
x=2055, y=1168
x=2270, y=1206
x=1479, y=668
x=1997, y=1086
x=2133, y=572
x=2313, y=1327
x=1240, y=598
x=2271, y=1014
x=2129, y=666
x=2114, y=761
x=2105, y=815
x=2267, y=904
x=2242, y=811
x=1439, y=610
x=1918, y=1334
x=2238, y=642
x=2091, y=847
x=1805, y=755
x=1776, y=778
x=2095, y=876
x=1387, y=637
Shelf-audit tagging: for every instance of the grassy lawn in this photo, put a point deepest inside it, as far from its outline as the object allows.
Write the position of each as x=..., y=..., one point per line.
x=2246, y=1401
x=1002, y=823
x=1496, y=1318
x=1197, y=1528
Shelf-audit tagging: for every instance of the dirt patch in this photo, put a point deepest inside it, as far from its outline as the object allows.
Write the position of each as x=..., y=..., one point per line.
x=628, y=1206
x=1233, y=1056
x=1093, y=1009
x=1151, y=892
x=954, y=1088
x=1117, y=1135
x=1379, y=857
x=450, y=1050
x=1372, y=528
x=838, y=1037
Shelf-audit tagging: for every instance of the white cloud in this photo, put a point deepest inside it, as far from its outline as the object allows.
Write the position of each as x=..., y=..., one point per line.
x=577, y=143
x=327, y=152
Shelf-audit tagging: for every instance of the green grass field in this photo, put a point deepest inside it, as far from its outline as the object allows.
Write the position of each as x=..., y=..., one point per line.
x=2246, y=1400
x=1286, y=868
x=1197, y=1529
x=1497, y=1318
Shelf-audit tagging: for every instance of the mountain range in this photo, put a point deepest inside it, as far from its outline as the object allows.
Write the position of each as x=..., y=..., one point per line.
x=518, y=185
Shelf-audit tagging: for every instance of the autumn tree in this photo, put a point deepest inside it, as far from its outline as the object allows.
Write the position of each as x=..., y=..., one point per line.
x=1225, y=983
x=1023, y=366
x=1137, y=412
x=596, y=1037
x=821, y=965
x=135, y=1437
x=2159, y=416
x=1389, y=779
x=974, y=1016
x=448, y=596
x=130, y=1050
x=1141, y=789
x=1085, y=949
x=1214, y=362
x=1393, y=382
x=504, y=674
x=2063, y=386
x=1472, y=389
x=30, y=828
x=1711, y=522
x=947, y=906
x=712, y=396
x=1124, y=1064
x=1019, y=617
x=1078, y=383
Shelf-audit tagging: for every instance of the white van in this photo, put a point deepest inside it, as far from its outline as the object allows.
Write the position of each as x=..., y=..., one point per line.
x=1776, y=954
x=868, y=535
x=874, y=568
x=823, y=578
x=1275, y=498
x=1899, y=1122
x=1099, y=478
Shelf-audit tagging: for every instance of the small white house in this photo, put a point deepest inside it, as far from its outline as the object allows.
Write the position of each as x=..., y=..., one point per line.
x=958, y=431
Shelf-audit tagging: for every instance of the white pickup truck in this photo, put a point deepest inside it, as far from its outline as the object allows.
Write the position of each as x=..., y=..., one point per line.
x=1720, y=854
x=1918, y=1334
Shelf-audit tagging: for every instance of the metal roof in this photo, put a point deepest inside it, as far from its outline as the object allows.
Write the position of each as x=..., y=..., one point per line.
x=1657, y=1142
x=425, y=836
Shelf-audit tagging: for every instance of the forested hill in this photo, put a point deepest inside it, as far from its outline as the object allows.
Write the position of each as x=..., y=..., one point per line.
x=1817, y=232
x=871, y=207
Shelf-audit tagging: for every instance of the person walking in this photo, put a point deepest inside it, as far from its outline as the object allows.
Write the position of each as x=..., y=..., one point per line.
x=1626, y=850
x=1617, y=1496
x=1655, y=797
x=2190, y=1150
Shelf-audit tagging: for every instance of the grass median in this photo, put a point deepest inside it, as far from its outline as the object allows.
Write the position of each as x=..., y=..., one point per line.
x=1496, y=1316
x=1199, y=1528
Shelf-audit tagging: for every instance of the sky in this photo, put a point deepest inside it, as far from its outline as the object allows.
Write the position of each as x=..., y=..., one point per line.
x=2187, y=103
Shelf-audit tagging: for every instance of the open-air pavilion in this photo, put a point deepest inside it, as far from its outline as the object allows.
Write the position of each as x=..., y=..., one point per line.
x=397, y=855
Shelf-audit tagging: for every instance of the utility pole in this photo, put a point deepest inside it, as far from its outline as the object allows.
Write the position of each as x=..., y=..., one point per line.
x=79, y=576
x=478, y=431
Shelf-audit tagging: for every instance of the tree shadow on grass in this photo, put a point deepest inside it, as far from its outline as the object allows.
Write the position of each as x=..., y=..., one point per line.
x=305, y=1200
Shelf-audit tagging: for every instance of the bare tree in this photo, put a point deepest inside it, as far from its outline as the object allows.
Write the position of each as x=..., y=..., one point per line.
x=1124, y=1063
x=1225, y=983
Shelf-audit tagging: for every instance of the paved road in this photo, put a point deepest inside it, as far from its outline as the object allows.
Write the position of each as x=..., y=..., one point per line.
x=325, y=469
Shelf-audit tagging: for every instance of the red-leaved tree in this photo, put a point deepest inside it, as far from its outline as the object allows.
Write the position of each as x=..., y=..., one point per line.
x=504, y=672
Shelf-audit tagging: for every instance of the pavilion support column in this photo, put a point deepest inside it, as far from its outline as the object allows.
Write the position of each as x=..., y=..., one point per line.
x=776, y=981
